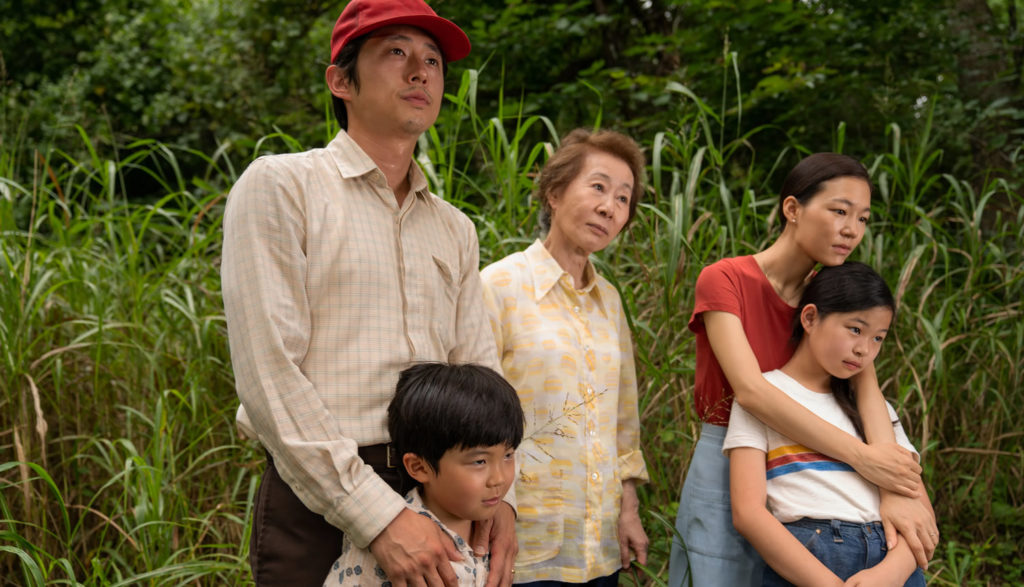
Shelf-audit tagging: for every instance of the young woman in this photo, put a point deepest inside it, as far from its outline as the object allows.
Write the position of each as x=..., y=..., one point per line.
x=565, y=346
x=741, y=318
x=813, y=519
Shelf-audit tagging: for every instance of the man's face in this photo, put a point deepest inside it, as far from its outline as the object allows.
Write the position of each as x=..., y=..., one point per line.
x=401, y=83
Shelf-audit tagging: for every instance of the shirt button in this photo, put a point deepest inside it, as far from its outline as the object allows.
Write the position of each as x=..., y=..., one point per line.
x=576, y=309
x=594, y=476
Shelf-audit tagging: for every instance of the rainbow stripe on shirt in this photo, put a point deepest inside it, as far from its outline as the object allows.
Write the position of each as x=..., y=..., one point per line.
x=795, y=458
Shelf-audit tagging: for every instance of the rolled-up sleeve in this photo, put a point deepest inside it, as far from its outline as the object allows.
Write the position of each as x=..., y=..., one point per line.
x=631, y=459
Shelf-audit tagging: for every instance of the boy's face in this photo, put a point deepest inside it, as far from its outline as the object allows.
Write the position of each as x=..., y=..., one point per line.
x=469, y=483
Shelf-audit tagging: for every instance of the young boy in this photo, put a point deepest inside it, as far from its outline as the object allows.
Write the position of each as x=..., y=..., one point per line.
x=454, y=430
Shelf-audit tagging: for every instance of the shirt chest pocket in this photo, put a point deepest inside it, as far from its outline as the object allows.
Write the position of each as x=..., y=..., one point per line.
x=441, y=298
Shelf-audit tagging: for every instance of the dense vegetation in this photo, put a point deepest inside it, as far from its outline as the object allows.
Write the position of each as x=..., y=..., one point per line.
x=119, y=462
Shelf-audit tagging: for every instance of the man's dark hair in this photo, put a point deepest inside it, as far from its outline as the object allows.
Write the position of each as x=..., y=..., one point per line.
x=438, y=407
x=346, y=62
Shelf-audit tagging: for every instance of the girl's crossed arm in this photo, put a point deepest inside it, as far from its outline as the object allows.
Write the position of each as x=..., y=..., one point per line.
x=910, y=517
x=777, y=546
x=780, y=549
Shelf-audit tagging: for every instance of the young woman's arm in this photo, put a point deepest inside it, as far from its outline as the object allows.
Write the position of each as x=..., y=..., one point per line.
x=910, y=517
x=777, y=546
x=885, y=464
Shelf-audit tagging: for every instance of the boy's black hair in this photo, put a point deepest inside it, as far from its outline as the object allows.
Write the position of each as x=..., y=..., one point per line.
x=850, y=287
x=438, y=407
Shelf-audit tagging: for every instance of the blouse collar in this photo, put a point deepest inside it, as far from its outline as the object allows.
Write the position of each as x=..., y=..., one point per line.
x=547, y=272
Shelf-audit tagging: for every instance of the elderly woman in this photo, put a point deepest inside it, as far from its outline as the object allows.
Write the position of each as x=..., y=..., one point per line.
x=565, y=346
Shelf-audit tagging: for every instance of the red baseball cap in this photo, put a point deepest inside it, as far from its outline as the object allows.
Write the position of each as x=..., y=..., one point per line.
x=362, y=16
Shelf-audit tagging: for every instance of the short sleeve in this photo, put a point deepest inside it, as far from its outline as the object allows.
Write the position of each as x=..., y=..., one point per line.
x=745, y=431
x=717, y=290
x=901, y=435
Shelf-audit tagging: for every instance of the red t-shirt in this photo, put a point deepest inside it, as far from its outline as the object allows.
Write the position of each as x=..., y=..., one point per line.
x=739, y=287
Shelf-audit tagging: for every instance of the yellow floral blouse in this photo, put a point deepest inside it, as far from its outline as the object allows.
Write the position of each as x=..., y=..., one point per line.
x=569, y=354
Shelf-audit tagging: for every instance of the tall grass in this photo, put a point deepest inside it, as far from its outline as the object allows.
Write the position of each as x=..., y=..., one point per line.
x=115, y=379
x=119, y=461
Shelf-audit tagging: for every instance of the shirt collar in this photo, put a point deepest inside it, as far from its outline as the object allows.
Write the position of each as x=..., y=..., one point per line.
x=353, y=162
x=547, y=272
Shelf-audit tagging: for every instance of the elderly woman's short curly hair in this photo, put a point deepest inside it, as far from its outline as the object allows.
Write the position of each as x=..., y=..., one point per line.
x=567, y=162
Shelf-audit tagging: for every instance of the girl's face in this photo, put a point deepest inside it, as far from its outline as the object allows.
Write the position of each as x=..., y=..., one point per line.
x=831, y=224
x=844, y=343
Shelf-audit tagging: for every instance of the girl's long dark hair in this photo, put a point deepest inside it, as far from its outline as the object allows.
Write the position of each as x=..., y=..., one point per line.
x=849, y=287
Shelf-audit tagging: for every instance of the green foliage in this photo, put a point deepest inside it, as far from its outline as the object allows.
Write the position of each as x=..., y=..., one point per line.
x=805, y=67
x=191, y=74
x=114, y=357
x=117, y=398
x=201, y=74
x=120, y=460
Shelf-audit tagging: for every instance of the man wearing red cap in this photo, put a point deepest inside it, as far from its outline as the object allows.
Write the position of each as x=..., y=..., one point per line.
x=340, y=269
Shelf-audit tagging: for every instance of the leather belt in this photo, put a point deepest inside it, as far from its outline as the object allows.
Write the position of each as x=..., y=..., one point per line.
x=379, y=455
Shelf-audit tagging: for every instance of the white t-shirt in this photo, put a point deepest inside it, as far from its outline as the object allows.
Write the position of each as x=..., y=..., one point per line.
x=803, y=483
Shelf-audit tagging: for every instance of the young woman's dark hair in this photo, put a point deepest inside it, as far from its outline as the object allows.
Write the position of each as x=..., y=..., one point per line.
x=438, y=407
x=346, y=61
x=849, y=287
x=806, y=178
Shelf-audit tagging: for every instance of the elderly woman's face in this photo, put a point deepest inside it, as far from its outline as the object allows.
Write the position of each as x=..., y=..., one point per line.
x=595, y=205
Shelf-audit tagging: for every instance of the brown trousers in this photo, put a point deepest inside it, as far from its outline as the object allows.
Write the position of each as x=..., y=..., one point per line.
x=291, y=545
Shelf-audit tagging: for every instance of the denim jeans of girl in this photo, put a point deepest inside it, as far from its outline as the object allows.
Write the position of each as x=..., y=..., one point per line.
x=844, y=547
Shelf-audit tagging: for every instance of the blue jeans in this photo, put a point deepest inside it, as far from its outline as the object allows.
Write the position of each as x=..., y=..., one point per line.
x=711, y=552
x=844, y=547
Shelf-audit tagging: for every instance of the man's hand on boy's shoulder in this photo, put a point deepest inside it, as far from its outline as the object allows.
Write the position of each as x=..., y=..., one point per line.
x=498, y=536
x=413, y=550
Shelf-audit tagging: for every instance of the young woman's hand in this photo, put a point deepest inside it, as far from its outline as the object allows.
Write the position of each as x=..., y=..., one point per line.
x=889, y=466
x=632, y=537
x=911, y=520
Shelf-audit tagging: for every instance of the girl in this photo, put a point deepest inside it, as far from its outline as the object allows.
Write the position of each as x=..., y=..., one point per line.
x=742, y=313
x=813, y=519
